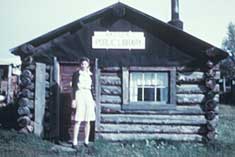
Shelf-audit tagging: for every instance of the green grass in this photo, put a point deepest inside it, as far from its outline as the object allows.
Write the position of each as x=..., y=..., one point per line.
x=13, y=144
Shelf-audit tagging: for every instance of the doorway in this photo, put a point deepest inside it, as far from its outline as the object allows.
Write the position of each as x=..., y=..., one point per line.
x=67, y=113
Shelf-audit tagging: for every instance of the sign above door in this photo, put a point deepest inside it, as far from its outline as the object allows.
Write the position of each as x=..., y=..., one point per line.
x=118, y=40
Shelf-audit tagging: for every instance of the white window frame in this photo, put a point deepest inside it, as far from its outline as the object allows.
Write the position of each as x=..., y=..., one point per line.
x=148, y=105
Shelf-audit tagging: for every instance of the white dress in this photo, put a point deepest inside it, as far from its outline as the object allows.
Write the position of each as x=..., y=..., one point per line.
x=85, y=104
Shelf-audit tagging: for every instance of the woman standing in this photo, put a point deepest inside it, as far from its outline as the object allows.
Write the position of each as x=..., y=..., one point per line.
x=83, y=100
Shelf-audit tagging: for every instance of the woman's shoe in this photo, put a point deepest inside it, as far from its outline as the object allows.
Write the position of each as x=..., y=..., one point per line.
x=75, y=146
x=86, y=144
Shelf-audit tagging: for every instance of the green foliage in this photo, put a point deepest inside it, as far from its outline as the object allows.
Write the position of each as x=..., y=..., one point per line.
x=227, y=66
x=14, y=144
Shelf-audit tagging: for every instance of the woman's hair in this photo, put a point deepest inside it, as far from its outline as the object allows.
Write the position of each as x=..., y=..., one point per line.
x=84, y=59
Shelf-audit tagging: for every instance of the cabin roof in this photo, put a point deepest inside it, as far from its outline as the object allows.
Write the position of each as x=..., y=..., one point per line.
x=164, y=31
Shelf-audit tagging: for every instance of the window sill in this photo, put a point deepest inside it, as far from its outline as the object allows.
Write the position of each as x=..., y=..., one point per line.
x=148, y=106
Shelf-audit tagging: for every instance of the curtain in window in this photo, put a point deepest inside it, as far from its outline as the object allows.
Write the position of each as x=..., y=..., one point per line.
x=149, y=86
x=136, y=80
x=162, y=86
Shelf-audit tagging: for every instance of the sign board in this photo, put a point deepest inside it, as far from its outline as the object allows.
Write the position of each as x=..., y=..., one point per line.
x=118, y=40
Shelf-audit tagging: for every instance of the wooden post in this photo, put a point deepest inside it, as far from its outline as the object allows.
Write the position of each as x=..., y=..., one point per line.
x=173, y=86
x=125, y=85
x=9, y=84
x=224, y=85
x=97, y=95
x=40, y=102
x=56, y=78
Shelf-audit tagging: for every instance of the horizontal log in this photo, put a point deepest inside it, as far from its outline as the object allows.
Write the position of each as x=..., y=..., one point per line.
x=27, y=60
x=189, y=98
x=25, y=81
x=26, y=102
x=26, y=93
x=210, y=105
x=153, y=119
x=210, y=95
x=187, y=69
x=111, y=99
x=27, y=73
x=115, y=74
x=209, y=64
x=33, y=66
x=111, y=108
x=23, y=121
x=111, y=69
x=24, y=130
x=151, y=68
x=32, y=77
x=29, y=67
x=23, y=110
x=194, y=89
x=190, y=77
x=194, y=77
x=137, y=128
x=47, y=84
x=212, y=124
x=193, y=98
x=141, y=136
x=190, y=89
x=27, y=129
x=30, y=87
x=212, y=74
x=30, y=127
x=211, y=135
x=210, y=115
x=179, y=110
x=217, y=75
x=110, y=80
x=210, y=83
x=111, y=90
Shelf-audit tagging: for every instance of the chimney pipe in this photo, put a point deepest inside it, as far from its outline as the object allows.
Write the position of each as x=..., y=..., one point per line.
x=175, y=18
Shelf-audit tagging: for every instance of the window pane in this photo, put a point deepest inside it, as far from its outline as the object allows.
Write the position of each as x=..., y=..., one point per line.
x=162, y=79
x=139, y=94
x=164, y=94
x=149, y=78
x=135, y=80
x=158, y=95
x=148, y=94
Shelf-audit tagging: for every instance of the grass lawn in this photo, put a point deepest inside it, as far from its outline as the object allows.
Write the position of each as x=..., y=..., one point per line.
x=13, y=144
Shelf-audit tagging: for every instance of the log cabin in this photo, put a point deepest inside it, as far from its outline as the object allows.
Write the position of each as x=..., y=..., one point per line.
x=151, y=79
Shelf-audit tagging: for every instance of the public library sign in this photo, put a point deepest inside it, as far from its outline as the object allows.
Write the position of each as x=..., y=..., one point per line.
x=118, y=40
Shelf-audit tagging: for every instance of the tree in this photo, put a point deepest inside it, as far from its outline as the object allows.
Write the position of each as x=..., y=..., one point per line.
x=227, y=66
x=229, y=42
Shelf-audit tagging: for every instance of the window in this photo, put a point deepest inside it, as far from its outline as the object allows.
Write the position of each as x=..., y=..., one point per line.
x=149, y=88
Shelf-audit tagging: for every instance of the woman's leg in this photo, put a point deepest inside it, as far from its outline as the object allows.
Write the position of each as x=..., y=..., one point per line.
x=76, y=132
x=87, y=132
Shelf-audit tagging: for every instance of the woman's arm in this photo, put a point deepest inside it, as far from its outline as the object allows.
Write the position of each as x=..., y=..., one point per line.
x=74, y=83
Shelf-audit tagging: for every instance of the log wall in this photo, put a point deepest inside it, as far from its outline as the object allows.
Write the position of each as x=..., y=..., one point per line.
x=193, y=119
x=26, y=98
x=26, y=95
